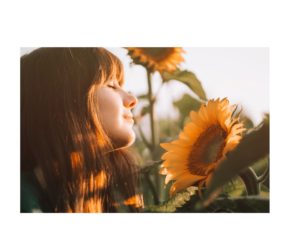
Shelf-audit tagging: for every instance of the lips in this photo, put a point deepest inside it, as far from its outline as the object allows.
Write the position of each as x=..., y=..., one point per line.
x=128, y=117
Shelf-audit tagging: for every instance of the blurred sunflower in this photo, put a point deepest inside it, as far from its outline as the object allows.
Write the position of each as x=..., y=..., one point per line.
x=156, y=58
x=204, y=142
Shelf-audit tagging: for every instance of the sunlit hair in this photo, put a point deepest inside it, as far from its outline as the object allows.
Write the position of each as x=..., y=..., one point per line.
x=61, y=134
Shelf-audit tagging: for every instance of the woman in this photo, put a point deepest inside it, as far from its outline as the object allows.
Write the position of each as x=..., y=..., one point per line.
x=76, y=125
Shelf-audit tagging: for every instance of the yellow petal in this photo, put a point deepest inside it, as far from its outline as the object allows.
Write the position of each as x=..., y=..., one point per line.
x=216, y=113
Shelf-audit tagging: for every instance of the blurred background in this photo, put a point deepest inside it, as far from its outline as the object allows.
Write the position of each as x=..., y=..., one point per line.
x=241, y=74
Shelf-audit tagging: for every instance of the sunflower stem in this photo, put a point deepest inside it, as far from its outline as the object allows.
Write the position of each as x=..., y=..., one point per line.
x=151, y=107
x=152, y=188
x=264, y=176
x=250, y=180
x=148, y=145
x=153, y=131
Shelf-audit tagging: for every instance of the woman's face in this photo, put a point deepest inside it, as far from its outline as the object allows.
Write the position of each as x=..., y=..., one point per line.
x=115, y=106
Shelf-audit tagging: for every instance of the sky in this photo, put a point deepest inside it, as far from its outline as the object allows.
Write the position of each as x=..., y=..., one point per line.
x=239, y=73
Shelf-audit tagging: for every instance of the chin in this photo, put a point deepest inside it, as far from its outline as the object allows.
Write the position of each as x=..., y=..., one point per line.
x=124, y=141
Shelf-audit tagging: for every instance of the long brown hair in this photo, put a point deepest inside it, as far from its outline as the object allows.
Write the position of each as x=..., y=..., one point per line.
x=61, y=134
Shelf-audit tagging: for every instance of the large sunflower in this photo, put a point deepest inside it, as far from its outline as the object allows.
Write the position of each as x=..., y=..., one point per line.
x=204, y=142
x=156, y=58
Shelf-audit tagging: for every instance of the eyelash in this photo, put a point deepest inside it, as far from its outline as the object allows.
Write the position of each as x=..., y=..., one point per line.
x=112, y=86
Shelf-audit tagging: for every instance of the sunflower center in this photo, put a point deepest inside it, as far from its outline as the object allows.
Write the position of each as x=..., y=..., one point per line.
x=158, y=54
x=207, y=150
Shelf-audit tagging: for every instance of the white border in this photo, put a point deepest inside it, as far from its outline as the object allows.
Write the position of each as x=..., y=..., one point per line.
x=120, y=23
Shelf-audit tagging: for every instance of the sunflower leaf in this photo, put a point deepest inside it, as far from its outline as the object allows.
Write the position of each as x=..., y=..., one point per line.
x=188, y=78
x=143, y=96
x=178, y=200
x=145, y=110
x=185, y=105
x=239, y=204
x=147, y=168
x=254, y=146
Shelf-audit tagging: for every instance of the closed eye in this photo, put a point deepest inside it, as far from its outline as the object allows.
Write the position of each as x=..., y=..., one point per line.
x=112, y=86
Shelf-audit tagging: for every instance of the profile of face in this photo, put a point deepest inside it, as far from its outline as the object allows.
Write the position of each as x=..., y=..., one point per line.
x=115, y=105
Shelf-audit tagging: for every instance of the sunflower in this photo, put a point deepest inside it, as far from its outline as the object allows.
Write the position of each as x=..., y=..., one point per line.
x=204, y=142
x=156, y=58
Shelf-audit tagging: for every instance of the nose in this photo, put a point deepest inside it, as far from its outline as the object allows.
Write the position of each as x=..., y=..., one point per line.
x=130, y=101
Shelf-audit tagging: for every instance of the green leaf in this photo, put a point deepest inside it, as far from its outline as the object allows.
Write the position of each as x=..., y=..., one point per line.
x=235, y=187
x=145, y=110
x=178, y=200
x=149, y=167
x=260, y=166
x=144, y=96
x=242, y=204
x=185, y=105
x=237, y=204
x=188, y=78
x=248, y=123
x=254, y=146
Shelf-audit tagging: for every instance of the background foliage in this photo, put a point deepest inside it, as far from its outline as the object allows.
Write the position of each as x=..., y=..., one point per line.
x=240, y=183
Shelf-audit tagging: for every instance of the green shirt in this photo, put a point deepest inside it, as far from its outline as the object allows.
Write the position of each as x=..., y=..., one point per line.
x=30, y=194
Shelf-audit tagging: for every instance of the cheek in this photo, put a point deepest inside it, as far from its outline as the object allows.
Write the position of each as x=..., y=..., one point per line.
x=111, y=115
x=111, y=120
x=110, y=108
